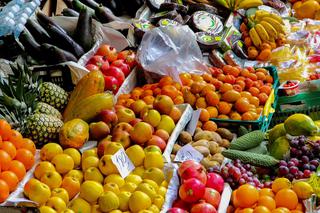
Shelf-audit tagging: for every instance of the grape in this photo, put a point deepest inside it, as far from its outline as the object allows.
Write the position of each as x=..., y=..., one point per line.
x=314, y=162
x=304, y=149
x=290, y=176
x=294, y=143
x=306, y=167
x=283, y=170
x=305, y=159
x=238, y=161
x=306, y=173
x=293, y=170
x=252, y=183
x=250, y=174
x=243, y=170
x=237, y=174
x=249, y=179
x=229, y=180
x=282, y=163
x=256, y=181
x=242, y=181
x=313, y=168
x=224, y=172
x=247, y=166
x=295, y=161
x=299, y=175
x=291, y=164
x=268, y=184
x=245, y=176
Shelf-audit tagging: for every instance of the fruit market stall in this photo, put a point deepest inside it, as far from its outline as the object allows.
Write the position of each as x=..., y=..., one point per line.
x=161, y=106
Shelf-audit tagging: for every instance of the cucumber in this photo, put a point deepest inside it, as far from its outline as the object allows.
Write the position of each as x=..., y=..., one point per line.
x=251, y=158
x=248, y=141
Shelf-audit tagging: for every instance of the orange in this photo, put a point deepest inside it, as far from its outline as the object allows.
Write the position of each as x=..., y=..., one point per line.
x=11, y=179
x=196, y=77
x=167, y=80
x=253, y=76
x=15, y=137
x=135, y=94
x=261, y=76
x=148, y=99
x=247, y=195
x=123, y=96
x=263, y=97
x=265, y=89
x=235, y=116
x=185, y=79
x=72, y=185
x=248, y=42
x=224, y=107
x=254, y=91
x=210, y=126
x=254, y=100
x=261, y=209
x=242, y=105
x=225, y=87
x=196, y=87
x=201, y=103
x=4, y=160
x=266, y=191
x=4, y=191
x=129, y=102
x=26, y=157
x=9, y=148
x=170, y=91
x=18, y=168
x=246, y=210
x=245, y=73
x=221, y=77
x=226, y=69
x=281, y=183
x=296, y=211
x=231, y=96
x=204, y=115
x=212, y=98
x=286, y=198
x=267, y=201
x=178, y=100
x=121, y=102
x=146, y=93
x=207, y=88
x=5, y=129
x=175, y=114
x=234, y=199
x=157, y=91
x=199, y=124
x=29, y=145
x=212, y=111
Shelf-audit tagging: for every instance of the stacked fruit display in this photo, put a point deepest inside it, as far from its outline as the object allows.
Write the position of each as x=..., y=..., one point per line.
x=64, y=174
x=199, y=191
x=114, y=66
x=306, y=9
x=17, y=156
x=262, y=32
x=282, y=197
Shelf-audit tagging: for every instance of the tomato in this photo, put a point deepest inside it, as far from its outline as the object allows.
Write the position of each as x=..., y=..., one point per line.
x=111, y=83
x=212, y=196
x=97, y=60
x=129, y=57
x=125, y=68
x=203, y=207
x=191, y=190
x=110, y=53
x=115, y=72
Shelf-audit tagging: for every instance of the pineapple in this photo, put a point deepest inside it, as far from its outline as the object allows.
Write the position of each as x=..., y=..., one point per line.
x=47, y=109
x=53, y=95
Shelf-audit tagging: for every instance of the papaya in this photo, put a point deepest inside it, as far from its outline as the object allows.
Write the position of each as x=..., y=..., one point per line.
x=276, y=132
x=300, y=124
x=74, y=133
x=279, y=148
x=307, y=9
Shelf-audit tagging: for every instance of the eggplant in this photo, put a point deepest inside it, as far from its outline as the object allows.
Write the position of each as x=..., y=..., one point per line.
x=132, y=6
x=70, y=12
x=31, y=46
x=56, y=55
x=83, y=33
x=63, y=40
x=37, y=31
x=114, y=5
x=105, y=15
x=45, y=21
x=78, y=6
x=90, y=3
x=68, y=3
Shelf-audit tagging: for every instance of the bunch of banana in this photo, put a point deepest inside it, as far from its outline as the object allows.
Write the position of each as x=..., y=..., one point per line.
x=265, y=27
x=239, y=4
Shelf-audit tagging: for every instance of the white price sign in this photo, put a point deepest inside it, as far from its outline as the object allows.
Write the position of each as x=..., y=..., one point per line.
x=123, y=163
x=187, y=152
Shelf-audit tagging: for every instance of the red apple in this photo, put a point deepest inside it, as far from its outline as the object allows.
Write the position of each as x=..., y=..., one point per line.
x=97, y=60
x=102, y=146
x=122, y=137
x=107, y=51
x=156, y=140
x=122, y=65
x=135, y=121
x=215, y=181
x=111, y=83
x=129, y=57
x=108, y=116
x=92, y=67
x=115, y=72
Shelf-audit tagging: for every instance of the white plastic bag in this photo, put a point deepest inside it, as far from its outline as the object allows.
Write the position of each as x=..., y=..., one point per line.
x=170, y=51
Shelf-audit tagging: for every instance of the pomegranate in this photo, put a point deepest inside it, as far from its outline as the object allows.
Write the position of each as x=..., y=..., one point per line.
x=195, y=172
x=215, y=181
x=181, y=204
x=188, y=163
x=212, y=196
x=191, y=190
x=176, y=210
x=203, y=207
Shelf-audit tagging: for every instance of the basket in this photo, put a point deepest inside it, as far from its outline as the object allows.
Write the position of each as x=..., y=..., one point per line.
x=58, y=74
x=265, y=118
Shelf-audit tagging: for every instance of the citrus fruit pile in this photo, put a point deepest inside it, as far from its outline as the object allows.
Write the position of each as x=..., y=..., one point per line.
x=16, y=158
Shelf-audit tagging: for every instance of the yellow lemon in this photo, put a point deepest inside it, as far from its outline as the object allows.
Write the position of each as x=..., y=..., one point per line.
x=139, y=201
x=154, y=209
x=302, y=189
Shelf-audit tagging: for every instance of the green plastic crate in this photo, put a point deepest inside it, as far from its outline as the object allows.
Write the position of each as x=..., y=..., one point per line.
x=263, y=122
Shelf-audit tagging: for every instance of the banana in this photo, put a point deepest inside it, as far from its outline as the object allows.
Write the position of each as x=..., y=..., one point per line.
x=276, y=25
x=270, y=29
x=245, y=4
x=255, y=37
x=260, y=14
x=262, y=32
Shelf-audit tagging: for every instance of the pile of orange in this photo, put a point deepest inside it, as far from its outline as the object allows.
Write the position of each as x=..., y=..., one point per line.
x=262, y=53
x=279, y=199
x=16, y=157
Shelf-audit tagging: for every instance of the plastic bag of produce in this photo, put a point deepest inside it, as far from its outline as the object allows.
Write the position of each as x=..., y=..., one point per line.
x=166, y=51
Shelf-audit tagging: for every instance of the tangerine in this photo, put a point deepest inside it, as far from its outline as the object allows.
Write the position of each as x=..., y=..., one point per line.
x=146, y=93
x=224, y=107
x=261, y=76
x=261, y=209
x=196, y=87
x=11, y=179
x=221, y=77
x=170, y=91
x=226, y=69
x=286, y=198
x=5, y=129
x=225, y=87
x=212, y=98
x=267, y=201
x=265, y=89
x=72, y=185
x=178, y=100
x=226, y=117
x=230, y=79
x=231, y=96
x=269, y=79
x=157, y=91
x=29, y=145
x=207, y=88
x=4, y=160
x=213, y=111
x=15, y=137
x=234, y=199
x=210, y=126
x=247, y=195
x=175, y=114
x=9, y=148
x=201, y=103
x=196, y=77
x=245, y=72
x=18, y=168
x=267, y=192
x=254, y=100
x=248, y=116
x=4, y=191
x=235, y=116
x=207, y=77
x=239, y=86
x=148, y=100
x=204, y=115
x=26, y=157
x=246, y=94
x=167, y=80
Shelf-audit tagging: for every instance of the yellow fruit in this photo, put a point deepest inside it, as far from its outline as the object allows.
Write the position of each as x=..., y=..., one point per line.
x=158, y=201
x=77, y=174
x=91, y=190
x=112, y=187
x=56, y=203
x=307, y=9
x=106, y=165
x=138, y=171
x=108, y=201
x=136, y=155
x=93, y=173
x=62, y=193
x=46, y=209
x=154, y=174
x=69, y=211
x=153, y=159
x=42, y=168
x=128, y=187
x=302, y=189
x=154, y=209
x=139, y=201
x=124, y=200
x=80, y=205
x=50, y=150
x=63, y=163
x=89, y=152
x=112, y=148
x=148, y=189
x=162, y=191
x=95, y=209
x=151, y=183
x=280, y=183
x=51, y=179
x=115, y=211
x=300, y=124
x=165, y=184
x=90, y=161
x=75, y=154
x=133, y=179
x=114, y=178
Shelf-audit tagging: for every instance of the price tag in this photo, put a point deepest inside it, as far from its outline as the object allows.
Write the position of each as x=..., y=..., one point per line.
x=187, y=152
x=124, y=165
x=192, y=125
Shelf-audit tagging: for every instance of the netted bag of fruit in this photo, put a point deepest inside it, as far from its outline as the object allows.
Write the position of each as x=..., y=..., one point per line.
x=314, y=181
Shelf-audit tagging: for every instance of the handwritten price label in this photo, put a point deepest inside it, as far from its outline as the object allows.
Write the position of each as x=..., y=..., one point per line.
x=124, y=165
x=187, y=152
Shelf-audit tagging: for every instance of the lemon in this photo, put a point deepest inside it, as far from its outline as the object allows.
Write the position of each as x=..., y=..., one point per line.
x=128, y=187
x=154, y=209
x=139, y=201
x=112, y=187
x=124, y=200
x=153, y=159
x=136, y=179
x=138, y=171
x=280, y=183
x=152, y=183
x=148, y=189
x=114, y=178
x=162, y=191
x=303, y=190
x=136, y=155
x=158, y=201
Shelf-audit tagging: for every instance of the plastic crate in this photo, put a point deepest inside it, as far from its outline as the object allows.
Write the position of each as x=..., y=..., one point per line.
x=264, y=120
